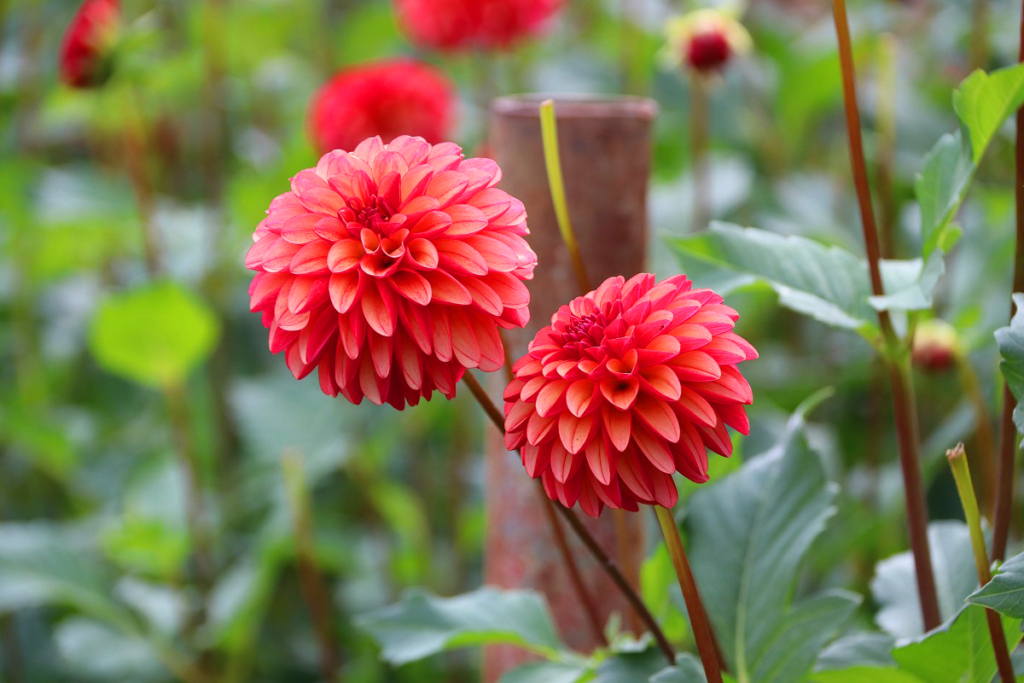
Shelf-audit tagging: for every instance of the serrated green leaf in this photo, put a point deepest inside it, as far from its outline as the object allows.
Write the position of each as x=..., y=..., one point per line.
x=1011, y=347
x=940, y=188
x=421, y=624
x=749, y=533
x=984, y=101
x=1005, y=592
x=895, y=587
x=959, y=651
x=154, y=335
x=912, y=283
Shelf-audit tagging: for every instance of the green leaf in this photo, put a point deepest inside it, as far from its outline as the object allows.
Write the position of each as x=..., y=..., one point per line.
x=154, y=335
x=546, y=672
x=659, y=589
x=421, y=624
x=749, y=533
x=984, y=101
x=627, y=667
x=895, y=586
x=1005, y=592
x=912, y=283
x=860, y=657
x=827, y=283
x=1011, y=348
x=688, y=669
x=959, y=651
x=941, y=187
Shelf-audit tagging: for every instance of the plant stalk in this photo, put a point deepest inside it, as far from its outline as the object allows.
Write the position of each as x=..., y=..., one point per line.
x=962, y=475
x=552, y=160
x=985, y=457
x=311, y=580
x=585, y=537
x=694, y=605
x=894, y=355
x=1007, y=431
x=700, y=135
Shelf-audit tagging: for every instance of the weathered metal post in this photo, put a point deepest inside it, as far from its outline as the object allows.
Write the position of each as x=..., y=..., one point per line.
x=605, y=145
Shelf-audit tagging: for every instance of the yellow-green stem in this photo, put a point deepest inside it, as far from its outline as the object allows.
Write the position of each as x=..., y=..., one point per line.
x=553, y=162
x=962, y=475
x=694, y=606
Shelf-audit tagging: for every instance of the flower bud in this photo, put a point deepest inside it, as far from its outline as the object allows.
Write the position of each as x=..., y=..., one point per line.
x=705, y=40
x=85, y=59
x=936, y=346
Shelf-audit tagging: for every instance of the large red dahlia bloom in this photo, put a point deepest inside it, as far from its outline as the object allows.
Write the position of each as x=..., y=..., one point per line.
x=390, y=269
x=84, y=53
x=473, y=24
x=387, y=98
x=629, y=384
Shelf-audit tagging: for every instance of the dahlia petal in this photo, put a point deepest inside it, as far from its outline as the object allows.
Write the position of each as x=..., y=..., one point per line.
x=324, y=201
x=318, y=334
x=344, y=255
x=330, y=228
x=611, y=494
x=657, y=415
x=531, y=387
x=749, y=351
x=301, y=229
x=498, y=256
x=442, y=335
x=576, y=432
x=264, y=289
x=717, y=438
x=696, y=366
x=661, y=381
x=492, y=352
x=369, y=148
x=691, y=336
x=731, y=387
x=418, y=205
x=569, y=491
x=306, y=293
x=310, y=259
x=601, y=458
x=564, y=463
x=280, y=338
x=517, y=416
x=446, y=186
x=459, y=257
x=464, y=341
x=325, y=373
x=370, y=383
x=579, y=398
x=536, y=459
x=389, y=163
x=483, y=173
x=735, y=416
x=278, y=255
x=431, y=224
x=446, y=289
x=513, y=292
x=443, y=376
x=665, y=492
x=620, y=392
x=345, y=289
x=691, y=455
x=658, y=350
x=515, y=214
x=491, y=202
x=635, y=477
x=380, y=351
x=412, y=286
x=257, y=252
x=415, y=181
x=695, y=408
x=617, y=424
x=551, y=397
x=423, y=254
x=419, y=328
x=379, y=308
x=484, y=298
x=539, y=427
x=655, y=450
x=724, y=352
x=589, y=501
x=352, y=333
x=466, y=220
x=511, y=392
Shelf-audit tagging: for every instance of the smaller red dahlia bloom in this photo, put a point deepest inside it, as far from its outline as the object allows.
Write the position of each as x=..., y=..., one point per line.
x=936, y=346
x=84, y=60
x=473, y=24
x=631, y=383
x=386, y=99
x=705, y=40
x=389, y=269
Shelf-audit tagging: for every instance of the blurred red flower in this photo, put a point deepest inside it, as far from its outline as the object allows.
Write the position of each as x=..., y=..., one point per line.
x=629, y=384
x=84, y=59
x=391, y=268
x=473, y=24
x=704, y=40
x=387, y=98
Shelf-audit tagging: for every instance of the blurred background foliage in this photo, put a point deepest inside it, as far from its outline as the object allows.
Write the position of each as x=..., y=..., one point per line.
x=162, y=476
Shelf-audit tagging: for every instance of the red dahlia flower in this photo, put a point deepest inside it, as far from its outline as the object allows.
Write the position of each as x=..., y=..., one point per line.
x=390, y=269
x=85, y=50
x=472, y=24
x=388, y=99
x=629, y=384
x=705, y=40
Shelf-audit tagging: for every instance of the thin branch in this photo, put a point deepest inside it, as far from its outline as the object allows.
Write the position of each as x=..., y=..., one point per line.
x=905, y=408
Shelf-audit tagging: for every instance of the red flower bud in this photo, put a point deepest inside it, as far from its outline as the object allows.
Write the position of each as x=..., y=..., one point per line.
x=85, y=53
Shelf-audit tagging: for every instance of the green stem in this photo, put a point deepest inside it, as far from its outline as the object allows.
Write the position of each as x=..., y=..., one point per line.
x=962, y=475
x=552, y=160
x=694, y=606
x=700, y=138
